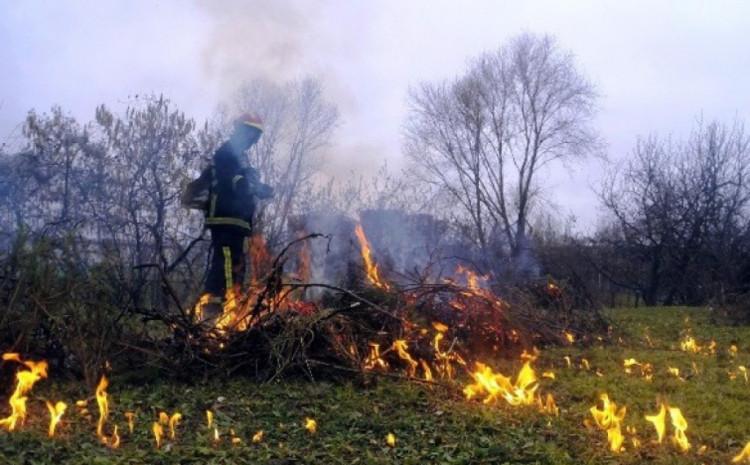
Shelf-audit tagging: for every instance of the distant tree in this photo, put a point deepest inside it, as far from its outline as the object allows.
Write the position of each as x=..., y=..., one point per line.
x=679, y=215
x=483, y=137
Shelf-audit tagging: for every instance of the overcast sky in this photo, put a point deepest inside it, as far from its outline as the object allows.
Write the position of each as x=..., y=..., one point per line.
x=657, y=65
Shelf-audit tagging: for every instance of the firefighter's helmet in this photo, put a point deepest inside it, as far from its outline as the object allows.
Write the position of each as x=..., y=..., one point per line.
x=248, y=121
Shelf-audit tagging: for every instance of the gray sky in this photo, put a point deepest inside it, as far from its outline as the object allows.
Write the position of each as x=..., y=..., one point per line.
x=657, y=65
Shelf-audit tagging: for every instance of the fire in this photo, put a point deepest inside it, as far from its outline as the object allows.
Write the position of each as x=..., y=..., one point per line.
x=689, y=344
x=444, y=360
x=570, y=337
x=497, y=385
x=55, y=414
x=209, y=418
x=374, y=360
x=130, y=416
x=548, y=406
x=311, y=425
x=174, y=420
x=25, y=380
x=629, y=364
x=102, y=401
x=680, y=426
x=609, y=418
x=373, y=275
x=390, y=439
x=258, y=437
x=114, y=442
x=158, y=431
x=401, y=348
x=659, y=422
x=426, y=369
x=744, y=455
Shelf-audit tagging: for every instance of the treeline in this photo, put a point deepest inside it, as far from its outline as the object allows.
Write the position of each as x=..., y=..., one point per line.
x=93, y=235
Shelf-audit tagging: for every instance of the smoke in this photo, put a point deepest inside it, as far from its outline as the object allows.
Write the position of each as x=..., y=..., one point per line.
x=291, y=40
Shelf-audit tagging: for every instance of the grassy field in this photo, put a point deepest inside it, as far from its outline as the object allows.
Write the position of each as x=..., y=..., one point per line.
x=430, y=424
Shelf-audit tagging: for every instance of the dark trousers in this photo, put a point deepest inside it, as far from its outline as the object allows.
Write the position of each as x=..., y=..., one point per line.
x=228, y=256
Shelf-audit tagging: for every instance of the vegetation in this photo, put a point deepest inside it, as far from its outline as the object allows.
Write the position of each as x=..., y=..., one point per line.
x=431, y=424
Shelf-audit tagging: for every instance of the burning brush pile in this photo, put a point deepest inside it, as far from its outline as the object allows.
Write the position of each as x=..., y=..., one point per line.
x=421, y=329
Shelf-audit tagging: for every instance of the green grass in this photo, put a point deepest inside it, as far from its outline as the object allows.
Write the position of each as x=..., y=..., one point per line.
x=432, y=425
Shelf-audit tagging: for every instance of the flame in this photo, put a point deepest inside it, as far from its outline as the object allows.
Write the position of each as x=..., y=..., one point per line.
x=570, y=337
x=209, y=418
x=401, y=348
x=567, y=360
x=174, y=420
x=158, y=431
x=258, y=437
x=609, y=418
x=426, y=370
x=548, y=406
x=744, y=455
x=585, y=364
x=444, y=360
x=374, y=360
x=55, y=414
x=390, y=439
x=130, y=416
x=114, y=442
x=103, y=402
x=689, y=344
x=629, y=363
x=234, y=439
x=733, y=350
x=497, y=385
x=373, y=275
x=217, y=437
x=311, y=425
x=680, y=426
x=25, y=380
x=659, y=422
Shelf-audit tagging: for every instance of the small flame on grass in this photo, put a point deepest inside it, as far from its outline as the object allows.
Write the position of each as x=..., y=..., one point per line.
x=103, y=403
x=659, y=422
x=744, y=455
x=209, y=418
x=567, y=361
x=680, y=426
x=390, y=439
x=174, y=420
x=311, y=425
x=258, y=437
x=25, y=380
x=689, y=344
x=55, y=414
x=609, y=418
x=158, y=431
x=570, y=337
x=130, y=416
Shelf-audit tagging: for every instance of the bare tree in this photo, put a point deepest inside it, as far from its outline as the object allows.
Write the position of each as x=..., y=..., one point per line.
x=484, y=137
x=679, y=215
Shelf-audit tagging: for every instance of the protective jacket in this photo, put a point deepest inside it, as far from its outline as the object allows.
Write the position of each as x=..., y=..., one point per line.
x=226, y=191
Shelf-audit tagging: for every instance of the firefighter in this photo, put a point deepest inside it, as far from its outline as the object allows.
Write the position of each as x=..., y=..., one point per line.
x=227, y=191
